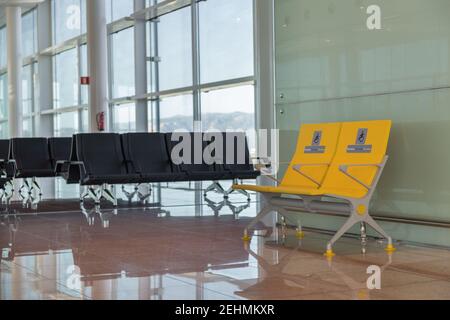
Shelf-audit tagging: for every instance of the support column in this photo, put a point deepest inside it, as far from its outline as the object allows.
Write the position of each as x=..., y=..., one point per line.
x=97, y=62
x=14, y=44
x=264, y=71
x=140, y=58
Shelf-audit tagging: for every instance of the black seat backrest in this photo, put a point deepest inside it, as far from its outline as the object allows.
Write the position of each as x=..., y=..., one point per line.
x=31, y=154
x=236, y=152
x=60, y=149
x=194, y=155
x=146, y=153
x=101, y=153
x=4, y=149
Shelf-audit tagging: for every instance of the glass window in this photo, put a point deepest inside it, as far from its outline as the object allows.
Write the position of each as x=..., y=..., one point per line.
x=66, y=124
x=123, y=63
x=124, y=117
x=177, y=113
x=27, y=90
x=3, y=50
x=65, y=79
x=229, y=109
x=4, y=130
x=29, y=33
x=69, y=19
x=116, y=10
x=3, y=97
x=175, y=49
x=28, y=127
x=226, y=39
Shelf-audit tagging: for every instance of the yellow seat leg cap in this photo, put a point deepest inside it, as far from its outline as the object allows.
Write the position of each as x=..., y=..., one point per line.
x=329, y=254
x=390, y=248
x=300, y=235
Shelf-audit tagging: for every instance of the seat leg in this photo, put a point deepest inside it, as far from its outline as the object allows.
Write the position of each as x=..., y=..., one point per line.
x=107, y=194
x=211, y=188
x=363, y=237
x=144, y=197
x=245, y=193
x=9, y=196
x=352, y=220
x=263, y=213
x=93, y=194
x=84, y=194
x=36, y=187
x=371, y=222
x=130, y=195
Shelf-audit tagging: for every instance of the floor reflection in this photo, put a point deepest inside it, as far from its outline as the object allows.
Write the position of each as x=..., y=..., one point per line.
x=196, y=252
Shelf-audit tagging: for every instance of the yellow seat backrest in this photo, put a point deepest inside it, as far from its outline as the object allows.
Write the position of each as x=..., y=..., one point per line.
x=316, y=148
x=359, y=143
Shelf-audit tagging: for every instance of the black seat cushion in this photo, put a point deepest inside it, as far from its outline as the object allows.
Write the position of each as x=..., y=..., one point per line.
x=147, y=154
x=190, y=161
x=6, y=166
x=60, y=150
x=32, y=158
x=101, y=154
x=237, y=162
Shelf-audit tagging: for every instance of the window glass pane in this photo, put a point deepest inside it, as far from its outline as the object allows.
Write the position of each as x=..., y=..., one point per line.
x=3, y=47
x=124, y=118
x=66, y=124
x=3, y=96
x=122, y=8
x=123, y=63
x=65, y=79
x=69, y=19
x=177, y=113
x=28, y=127
x=230, y=109
x=4, y=130
x=226, y=39
x=27, y=90
x=84, y=121
x=29, y=36
x=175, y=49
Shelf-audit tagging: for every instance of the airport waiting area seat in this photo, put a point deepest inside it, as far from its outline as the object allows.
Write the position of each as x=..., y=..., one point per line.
x=7, y=171
x=32, y=160
x=101, y=161
x=213, y=157
x=60, y=150
x=342, y=162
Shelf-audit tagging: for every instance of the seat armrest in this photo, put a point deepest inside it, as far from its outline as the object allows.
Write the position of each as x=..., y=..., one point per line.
x=80, y=164
x=60, y=164
x=298, y=168
x=380, y=166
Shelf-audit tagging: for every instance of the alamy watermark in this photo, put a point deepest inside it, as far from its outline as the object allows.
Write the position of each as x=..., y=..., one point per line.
x=232, y=147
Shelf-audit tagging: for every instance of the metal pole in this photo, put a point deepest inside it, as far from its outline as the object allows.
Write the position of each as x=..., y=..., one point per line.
x=98, y=63
x=14, y=44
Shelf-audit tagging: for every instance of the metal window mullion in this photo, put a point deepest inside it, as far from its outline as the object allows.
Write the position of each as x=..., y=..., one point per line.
x=80, y=99
x=109, y=41
x=195, y=63
x=33, y=109
x=157, y=102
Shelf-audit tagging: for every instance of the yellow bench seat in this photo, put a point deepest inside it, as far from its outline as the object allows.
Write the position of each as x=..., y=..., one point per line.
x=294, y=190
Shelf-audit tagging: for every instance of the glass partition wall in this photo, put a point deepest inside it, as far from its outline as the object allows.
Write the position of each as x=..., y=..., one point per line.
x=199, y=63
x=331, y=65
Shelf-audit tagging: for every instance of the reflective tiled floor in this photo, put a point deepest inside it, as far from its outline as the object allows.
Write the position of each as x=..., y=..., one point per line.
x=189, y=252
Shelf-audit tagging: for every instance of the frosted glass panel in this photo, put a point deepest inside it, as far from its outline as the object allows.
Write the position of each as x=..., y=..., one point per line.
x=331, y=67
x=325, y=50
